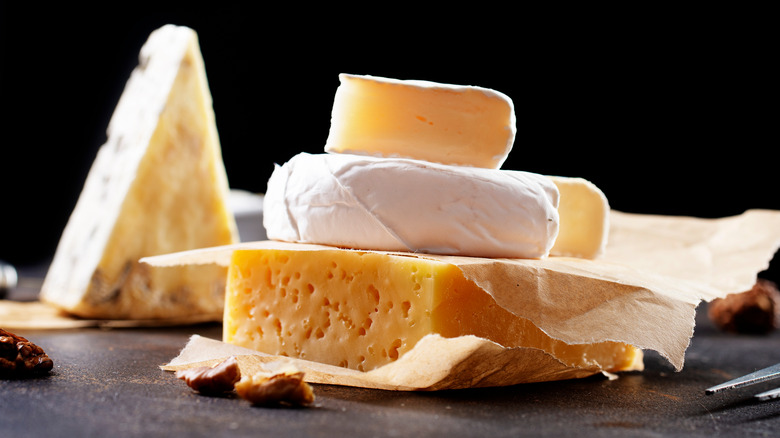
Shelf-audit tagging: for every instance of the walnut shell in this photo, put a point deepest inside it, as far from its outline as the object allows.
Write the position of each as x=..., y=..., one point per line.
x=20, y=358
x=756, y=311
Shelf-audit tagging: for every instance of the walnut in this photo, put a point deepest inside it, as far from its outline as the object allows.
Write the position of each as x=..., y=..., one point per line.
x=20, y=358
x=213, y=380
x=756, y=311
x=282, y=388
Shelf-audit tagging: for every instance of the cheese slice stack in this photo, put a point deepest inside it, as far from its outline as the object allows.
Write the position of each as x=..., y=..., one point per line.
x=362, y=310
x=454, y=125
x=158, y=185
x=443, y=123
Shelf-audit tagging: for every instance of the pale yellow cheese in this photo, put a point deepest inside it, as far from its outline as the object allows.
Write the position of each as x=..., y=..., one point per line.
x=158, y=185
x=583, y=212
x=449, y=124
x=362, y=310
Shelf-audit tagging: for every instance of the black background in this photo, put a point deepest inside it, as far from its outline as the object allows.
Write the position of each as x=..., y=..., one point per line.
x=667, y=111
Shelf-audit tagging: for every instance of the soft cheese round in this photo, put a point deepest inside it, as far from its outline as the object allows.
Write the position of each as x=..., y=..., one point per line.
x=462, y=125
x=401, y=204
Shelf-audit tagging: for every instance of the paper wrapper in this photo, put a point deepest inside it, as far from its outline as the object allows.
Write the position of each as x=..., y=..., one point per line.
x=37, y=315
x=644, y=291
x=435, y=363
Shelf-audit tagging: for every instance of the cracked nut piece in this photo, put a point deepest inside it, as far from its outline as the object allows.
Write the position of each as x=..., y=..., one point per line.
x=283, y=388
x=216, y=379
x=21, y=358
x=756, y=311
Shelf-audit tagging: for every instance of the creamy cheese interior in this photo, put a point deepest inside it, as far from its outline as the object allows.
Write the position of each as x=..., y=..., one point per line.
x=444, y=123
x=584, y=216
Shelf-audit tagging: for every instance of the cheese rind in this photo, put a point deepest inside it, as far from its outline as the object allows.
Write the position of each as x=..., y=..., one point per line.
x=443, y=123
x=584, y=214
x=410, y=205
x=158, y=185
x=362, y=310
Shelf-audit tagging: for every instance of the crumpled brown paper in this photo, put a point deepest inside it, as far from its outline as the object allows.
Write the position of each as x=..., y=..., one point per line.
x=644, y=291
x=435, y=363
x=37, y=315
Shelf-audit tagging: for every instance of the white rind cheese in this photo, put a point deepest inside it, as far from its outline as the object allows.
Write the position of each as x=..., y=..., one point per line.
x=399, y=204
x=157, y=185
x=443, y=123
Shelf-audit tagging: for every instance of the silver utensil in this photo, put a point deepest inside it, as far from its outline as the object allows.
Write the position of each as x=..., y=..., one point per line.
x=768, y=373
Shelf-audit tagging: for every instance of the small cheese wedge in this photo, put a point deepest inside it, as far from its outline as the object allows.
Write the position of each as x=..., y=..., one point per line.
x=157, y=185
x=397, y=204
x=583, y=212
x=362, y=310
x=443, y=123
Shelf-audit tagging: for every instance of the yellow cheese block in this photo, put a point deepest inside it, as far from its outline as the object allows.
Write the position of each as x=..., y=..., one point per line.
x=362, y=310
x=158, y=185
x=583, y=211
x=449, y=124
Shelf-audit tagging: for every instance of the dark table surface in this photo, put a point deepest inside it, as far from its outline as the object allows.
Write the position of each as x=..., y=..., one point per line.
x=106, y=382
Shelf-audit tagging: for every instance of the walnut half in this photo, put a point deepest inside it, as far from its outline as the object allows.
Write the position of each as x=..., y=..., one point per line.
x=213, y=380
x=20, y=358
x=756, y=311
x=285, y=387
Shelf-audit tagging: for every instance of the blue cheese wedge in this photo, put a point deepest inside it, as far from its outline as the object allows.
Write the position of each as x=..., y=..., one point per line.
x=157, y=185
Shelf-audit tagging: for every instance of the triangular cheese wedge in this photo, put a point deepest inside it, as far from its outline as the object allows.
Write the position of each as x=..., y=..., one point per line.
x=157, y=185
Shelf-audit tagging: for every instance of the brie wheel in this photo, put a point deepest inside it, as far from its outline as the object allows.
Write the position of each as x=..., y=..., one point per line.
x=400, y=204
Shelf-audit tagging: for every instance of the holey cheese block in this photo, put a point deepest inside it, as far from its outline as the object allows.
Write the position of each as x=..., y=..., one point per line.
x=397, y=204
x=363, y=310
x=157, y=185
x=444, y=123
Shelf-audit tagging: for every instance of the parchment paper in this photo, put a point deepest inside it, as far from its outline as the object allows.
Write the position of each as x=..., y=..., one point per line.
x=643, y=291
x=435, y=363
x=37, y=315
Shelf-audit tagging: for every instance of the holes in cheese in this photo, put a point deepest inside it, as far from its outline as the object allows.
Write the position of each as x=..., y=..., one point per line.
x=443, y=123
x=362, y=310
